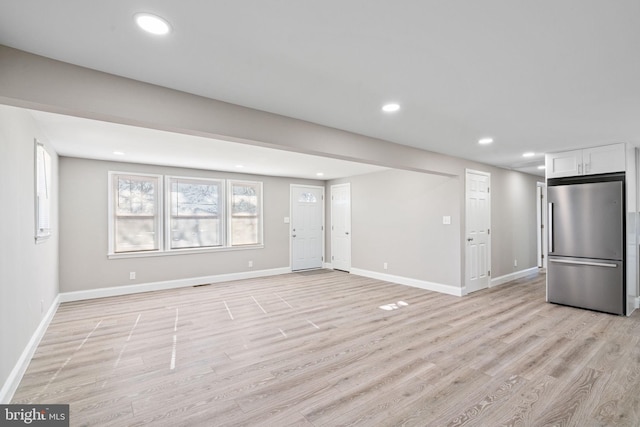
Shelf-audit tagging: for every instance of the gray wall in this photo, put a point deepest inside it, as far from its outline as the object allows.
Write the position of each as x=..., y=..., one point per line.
x=28, y=271
x=397, y=218
x=36, y=82
x=84, y=236
x=513, y=221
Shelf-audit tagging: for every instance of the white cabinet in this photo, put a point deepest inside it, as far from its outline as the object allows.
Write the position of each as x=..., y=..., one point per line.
x=568, y=163
x=609, y=158
x=589, y=161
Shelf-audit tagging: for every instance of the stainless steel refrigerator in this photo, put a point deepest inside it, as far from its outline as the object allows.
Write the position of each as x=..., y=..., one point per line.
x=587, y=242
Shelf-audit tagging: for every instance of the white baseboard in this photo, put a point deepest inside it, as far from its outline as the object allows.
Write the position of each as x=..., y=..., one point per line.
x=11, y=384
x=422, y=284
x=637, y=303
x=169, y=284
x=496, y=281
x=327, y=265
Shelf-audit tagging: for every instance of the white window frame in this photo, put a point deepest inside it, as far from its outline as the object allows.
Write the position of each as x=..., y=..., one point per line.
x=260, y=215
x=221, y=212
x=42, y=191
x=163, y=214
x=112, y=218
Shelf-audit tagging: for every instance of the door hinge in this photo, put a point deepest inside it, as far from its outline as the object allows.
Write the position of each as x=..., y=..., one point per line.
x=322, y=228
x=542, y=255
x=488, y=231
x=332, y=257
x=488, y=190
x=541, y=225
x=321, y=258
x=489, y=273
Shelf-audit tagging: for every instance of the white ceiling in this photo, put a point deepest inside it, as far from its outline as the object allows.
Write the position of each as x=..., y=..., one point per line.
x=91, y=139
x=535, y=75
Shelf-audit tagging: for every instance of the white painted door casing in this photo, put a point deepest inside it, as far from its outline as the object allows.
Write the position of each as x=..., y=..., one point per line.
x=341, y=227
x=478, y=230
x=307, y=227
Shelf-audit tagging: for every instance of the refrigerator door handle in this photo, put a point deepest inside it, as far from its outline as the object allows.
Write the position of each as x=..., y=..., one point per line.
x=594, y=264
x=550, y=243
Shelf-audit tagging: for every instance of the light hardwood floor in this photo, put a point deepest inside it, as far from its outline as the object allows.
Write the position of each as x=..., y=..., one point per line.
x=315, y=349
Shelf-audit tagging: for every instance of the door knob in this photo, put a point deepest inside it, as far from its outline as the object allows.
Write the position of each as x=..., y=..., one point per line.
x=469, y=239
x=293, y=235
x=346, y=232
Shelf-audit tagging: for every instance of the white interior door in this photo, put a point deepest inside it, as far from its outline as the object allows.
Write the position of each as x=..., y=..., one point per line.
x=478, y=230
x=307, y=227
x=341, y=227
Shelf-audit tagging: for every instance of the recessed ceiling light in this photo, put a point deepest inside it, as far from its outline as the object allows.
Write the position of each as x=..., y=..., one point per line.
x=485, y=141
x=390, y=108
x=319, y=174
x=529, y=154
x=152, y=23
x=118, y=153
x=542, y=167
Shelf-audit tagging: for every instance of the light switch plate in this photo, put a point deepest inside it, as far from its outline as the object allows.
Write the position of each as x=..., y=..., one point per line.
x=446, y=219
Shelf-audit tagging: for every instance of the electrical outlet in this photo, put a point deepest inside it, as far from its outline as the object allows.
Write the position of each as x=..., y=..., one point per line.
x=132, y=275
x=250, y=265
x=384, y=265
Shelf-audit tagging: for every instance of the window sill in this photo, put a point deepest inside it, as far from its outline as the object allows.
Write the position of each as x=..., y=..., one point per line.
x=189, y=251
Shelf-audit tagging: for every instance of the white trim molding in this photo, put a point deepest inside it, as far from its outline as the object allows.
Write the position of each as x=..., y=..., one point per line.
x=13, y=381
x=632, y=304
x=496, y=281
x=327, y=265
x=422, y=284
x=11, y=384
x=169, y=284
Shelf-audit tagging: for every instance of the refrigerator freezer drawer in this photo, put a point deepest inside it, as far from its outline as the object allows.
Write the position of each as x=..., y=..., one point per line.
x=594, y=284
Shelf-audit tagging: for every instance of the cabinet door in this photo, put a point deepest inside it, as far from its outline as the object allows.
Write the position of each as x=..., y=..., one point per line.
x=609, y=158
x=568, y=163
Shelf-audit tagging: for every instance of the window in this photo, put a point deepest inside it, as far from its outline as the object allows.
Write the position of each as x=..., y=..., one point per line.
x=307, y=198
x=194, y=206
x=136, y=213
x=245, y=216
x=43, y=192
x=200, y=214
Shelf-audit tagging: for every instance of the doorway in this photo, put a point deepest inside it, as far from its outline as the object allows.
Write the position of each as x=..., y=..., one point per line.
x=478, y=230
x=341, y=227
x=307, y=227
x=541, y=195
